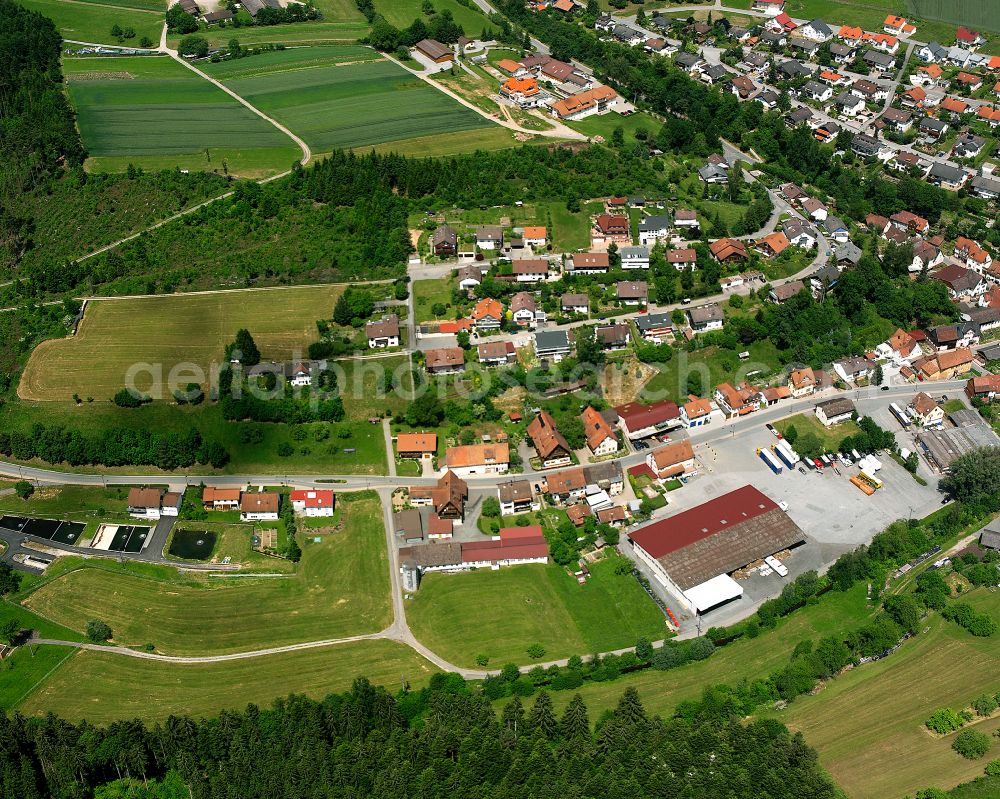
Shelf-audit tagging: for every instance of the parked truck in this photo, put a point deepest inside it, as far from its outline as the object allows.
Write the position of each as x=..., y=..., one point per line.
x=784, y=451
x=768, y=457
x=862, y=485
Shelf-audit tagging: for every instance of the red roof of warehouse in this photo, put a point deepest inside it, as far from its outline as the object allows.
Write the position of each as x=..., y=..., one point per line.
x=677, y=532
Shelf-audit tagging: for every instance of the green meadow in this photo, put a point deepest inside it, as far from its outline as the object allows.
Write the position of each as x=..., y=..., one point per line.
x=92, y=22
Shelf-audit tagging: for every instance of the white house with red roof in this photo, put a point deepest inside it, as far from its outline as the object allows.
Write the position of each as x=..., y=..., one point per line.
x=312, y=502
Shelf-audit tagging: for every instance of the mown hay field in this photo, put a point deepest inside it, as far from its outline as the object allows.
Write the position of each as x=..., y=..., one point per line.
x=164, y=331
x=102, y=687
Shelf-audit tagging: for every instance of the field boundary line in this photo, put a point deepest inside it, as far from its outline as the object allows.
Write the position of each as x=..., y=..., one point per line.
x=242, y=289
x=301, y=67
x=42, y=679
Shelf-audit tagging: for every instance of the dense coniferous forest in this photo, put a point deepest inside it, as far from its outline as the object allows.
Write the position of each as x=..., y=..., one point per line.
x=37, y=130
x=440, y=742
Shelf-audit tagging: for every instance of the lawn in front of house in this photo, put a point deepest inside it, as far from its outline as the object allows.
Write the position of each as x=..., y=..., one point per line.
x=830, y=437
x=427, y=294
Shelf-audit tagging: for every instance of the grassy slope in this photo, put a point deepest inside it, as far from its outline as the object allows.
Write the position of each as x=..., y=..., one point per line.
x=342, y=23
x=341, y=589
x=401, y=13
x=661, y=691
x=440, y=144
x=68, y=502
x=89, y=22
x=359, y=387
x=500, y=614
x=104, y=688
x=868, y=723
x=310, y=94
x=170, y=330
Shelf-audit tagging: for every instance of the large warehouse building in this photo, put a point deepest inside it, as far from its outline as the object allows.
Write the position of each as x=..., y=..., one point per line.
x=695, y=552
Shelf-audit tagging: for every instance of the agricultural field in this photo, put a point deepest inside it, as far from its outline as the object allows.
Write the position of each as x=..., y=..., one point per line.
x=308, y=92
x=153, y=112
x=170, y=330
x=460, y=616
x=341, y=588
x=868, y=724
x=81, y=21
x=103, y=688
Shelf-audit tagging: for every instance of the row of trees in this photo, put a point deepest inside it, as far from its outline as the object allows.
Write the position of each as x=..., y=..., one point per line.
x=113, y=446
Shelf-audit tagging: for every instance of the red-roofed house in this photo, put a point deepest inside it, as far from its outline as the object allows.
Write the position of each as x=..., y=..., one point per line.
x=969, y=38
x=312, y=502
x=672, y=459
x=641, y=421
x=600, y=437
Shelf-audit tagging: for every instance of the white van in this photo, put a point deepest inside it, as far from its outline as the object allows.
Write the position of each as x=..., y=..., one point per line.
x=777, y=565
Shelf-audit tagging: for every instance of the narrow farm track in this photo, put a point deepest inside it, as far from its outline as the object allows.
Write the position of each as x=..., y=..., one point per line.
x=306, y=152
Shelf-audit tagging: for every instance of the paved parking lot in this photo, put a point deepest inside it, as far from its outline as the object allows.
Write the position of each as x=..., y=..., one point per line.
x=835, y=515
x=826, y=506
